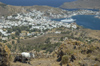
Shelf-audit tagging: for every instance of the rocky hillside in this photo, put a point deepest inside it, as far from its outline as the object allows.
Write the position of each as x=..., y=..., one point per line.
x=88, y=4
x=69, y=53
x=4, y=55
x=77, y=53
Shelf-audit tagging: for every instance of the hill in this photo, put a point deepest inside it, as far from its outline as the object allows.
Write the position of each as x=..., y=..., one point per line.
x=9, y=9
x=70, y=47
x=87, y=4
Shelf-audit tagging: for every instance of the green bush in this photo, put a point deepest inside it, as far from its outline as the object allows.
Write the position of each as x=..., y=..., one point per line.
x=65, y=59
x=13, y=37
x=3, y=5
x=4, y=41
x=13, y=42
x=9, y=46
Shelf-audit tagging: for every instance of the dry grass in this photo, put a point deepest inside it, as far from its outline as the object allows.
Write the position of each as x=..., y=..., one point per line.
x=39, y=62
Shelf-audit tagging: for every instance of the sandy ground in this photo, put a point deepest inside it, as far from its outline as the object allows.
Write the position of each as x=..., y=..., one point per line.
x=39, y=62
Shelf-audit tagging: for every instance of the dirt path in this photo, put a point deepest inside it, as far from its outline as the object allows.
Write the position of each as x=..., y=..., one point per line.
x=39, y=62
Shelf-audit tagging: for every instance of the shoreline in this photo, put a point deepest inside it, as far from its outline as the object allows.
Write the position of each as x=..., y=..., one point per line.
x=82, y=4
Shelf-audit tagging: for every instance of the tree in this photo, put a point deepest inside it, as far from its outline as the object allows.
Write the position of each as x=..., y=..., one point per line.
x=4, y=41
x=13, y=42
x=13, y=37
x=47, y=40
x=9, y=46
x=30, y=26
x=18, y=40
x=17, y=33
x=0, y=34
x=9, y=30
x=61, y=39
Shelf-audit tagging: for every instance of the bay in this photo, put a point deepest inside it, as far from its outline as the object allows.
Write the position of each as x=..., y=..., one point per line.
x=87, y=21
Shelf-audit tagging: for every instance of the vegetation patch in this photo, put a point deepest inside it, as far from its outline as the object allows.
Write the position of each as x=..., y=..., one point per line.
x=65, y=59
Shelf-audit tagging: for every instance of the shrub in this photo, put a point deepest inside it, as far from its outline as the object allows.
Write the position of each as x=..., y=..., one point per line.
x=61, y=39
x=9, y=46
x=13, y=42
x=4, y=55
x=13, y=37
x=2, y=5
x=65, y=59
x=4, y=41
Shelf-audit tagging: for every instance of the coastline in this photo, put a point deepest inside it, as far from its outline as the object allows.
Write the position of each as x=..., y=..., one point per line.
x=52, y=13
x=82, y=4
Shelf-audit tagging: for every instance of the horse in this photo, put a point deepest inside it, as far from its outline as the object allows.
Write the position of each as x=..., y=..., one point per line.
x=24, y=57
x=27, y=55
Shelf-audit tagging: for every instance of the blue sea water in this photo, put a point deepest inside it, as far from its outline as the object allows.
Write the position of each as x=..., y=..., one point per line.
x=53, y=3
x=82, y=9
x=87, y=21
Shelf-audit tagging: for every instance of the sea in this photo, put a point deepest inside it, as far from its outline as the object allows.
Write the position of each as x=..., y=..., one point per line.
x=53, y=3
x=87, y=21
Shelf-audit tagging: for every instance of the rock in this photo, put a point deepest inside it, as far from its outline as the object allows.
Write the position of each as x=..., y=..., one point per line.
x=74, y=47
x=72, y=58
x=83, y=64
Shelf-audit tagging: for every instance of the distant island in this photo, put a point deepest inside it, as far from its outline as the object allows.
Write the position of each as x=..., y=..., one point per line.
x=80, y=4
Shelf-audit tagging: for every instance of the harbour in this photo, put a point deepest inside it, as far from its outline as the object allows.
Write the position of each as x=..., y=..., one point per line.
x=87, y=21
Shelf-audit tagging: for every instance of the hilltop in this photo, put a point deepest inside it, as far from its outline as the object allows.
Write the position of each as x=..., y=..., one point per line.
x=9, y=9
x=86, y=4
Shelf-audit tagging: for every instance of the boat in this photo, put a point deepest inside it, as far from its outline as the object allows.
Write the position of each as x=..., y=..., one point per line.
x=68, y=20
x=97, y=16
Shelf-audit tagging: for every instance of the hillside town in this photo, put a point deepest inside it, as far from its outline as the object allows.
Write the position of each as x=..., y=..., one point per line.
x=37, y=21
